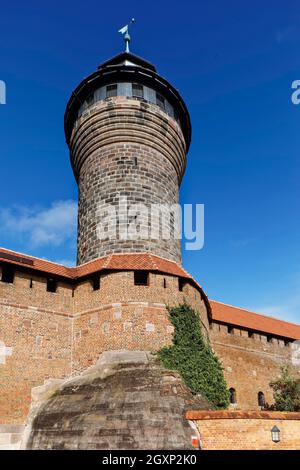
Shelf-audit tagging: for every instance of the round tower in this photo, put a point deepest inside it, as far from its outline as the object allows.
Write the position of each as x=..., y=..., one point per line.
x=128, y=131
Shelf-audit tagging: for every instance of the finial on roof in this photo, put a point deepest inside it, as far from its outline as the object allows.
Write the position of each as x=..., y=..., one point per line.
x=127, y=38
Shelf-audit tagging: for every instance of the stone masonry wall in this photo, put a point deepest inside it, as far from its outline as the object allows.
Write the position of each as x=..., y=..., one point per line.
x=127, y=401
x=250, y=364
x=39, y=345
x=246, y=431
x=47, y=335
x=125, y=147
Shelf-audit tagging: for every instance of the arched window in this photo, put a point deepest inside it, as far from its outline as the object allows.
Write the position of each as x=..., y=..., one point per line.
x=232, y=396
x=261, y=399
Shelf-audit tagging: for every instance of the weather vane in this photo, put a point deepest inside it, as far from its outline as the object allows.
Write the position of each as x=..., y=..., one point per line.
x=125, y=31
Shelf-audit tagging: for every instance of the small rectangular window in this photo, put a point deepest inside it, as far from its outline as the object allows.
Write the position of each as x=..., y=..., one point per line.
x=181, y=284
x=8, y=275
x=51, y=285
x=230, y=330
x=160, y=101
x=165, y=283
x=250, y=334
x=137, y=90
x=176, y=117
x=111, y=90
x=141, y=278
x=96, y=283
x=90, y=99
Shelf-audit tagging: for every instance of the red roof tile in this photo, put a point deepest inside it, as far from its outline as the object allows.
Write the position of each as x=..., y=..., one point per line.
x=37, y=264
x=244, y=318
x=116, y=262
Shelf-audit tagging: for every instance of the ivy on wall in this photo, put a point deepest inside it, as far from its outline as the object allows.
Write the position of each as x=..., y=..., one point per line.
x=191, y=355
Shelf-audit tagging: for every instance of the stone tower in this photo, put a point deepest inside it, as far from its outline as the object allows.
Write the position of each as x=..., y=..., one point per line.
x=128, y=131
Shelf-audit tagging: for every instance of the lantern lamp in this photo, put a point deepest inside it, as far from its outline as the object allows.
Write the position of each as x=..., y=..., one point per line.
x=275, y=432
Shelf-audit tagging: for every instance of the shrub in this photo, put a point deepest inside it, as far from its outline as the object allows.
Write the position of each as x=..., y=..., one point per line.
x=191, y=355
x=286, y=391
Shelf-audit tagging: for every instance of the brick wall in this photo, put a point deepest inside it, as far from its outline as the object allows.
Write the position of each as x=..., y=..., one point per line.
x=47, y=335
x=53, y=335
x=35, y=329
x=250, y=364
x=223, y=430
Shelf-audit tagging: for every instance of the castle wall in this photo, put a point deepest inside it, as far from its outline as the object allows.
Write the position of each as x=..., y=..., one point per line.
x=38, y=346
x=46, y=335
x=250, y=363
x=54, y=335
x=123, y=316
x=31, y=289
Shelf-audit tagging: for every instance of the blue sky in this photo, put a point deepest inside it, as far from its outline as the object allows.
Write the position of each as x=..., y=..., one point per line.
x=233, y=63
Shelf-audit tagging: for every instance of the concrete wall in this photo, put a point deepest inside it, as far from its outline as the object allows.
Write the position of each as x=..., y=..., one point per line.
x=223, y=430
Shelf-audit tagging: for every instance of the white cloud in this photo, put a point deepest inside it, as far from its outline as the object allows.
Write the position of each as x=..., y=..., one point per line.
x=40, y=226
x=70, y=263
x=285, y=303
x=288, y=311
x=242, y=242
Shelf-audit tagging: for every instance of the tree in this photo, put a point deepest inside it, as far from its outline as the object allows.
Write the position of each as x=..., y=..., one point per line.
x=191, y=355
x=286, y=392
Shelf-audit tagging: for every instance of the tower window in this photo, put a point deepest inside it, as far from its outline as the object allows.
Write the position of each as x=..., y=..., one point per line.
x=51, y=285
x=230, y=330
x=232, y=396
x=137, y=90
x=90, y=99
x=269, y=339
x=165, y=283
x=8, y=275
x=160, y=101
x=261, y=399
x=250, y=334
x=141, y=278
x=181, y=284
x=96, y=283
x=111, y=90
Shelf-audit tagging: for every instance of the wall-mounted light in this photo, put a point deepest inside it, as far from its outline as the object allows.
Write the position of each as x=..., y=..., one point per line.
x=275, y=432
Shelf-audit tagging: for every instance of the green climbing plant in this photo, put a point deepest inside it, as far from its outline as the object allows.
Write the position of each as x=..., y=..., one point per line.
x=286, y=391
x=191, y=355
